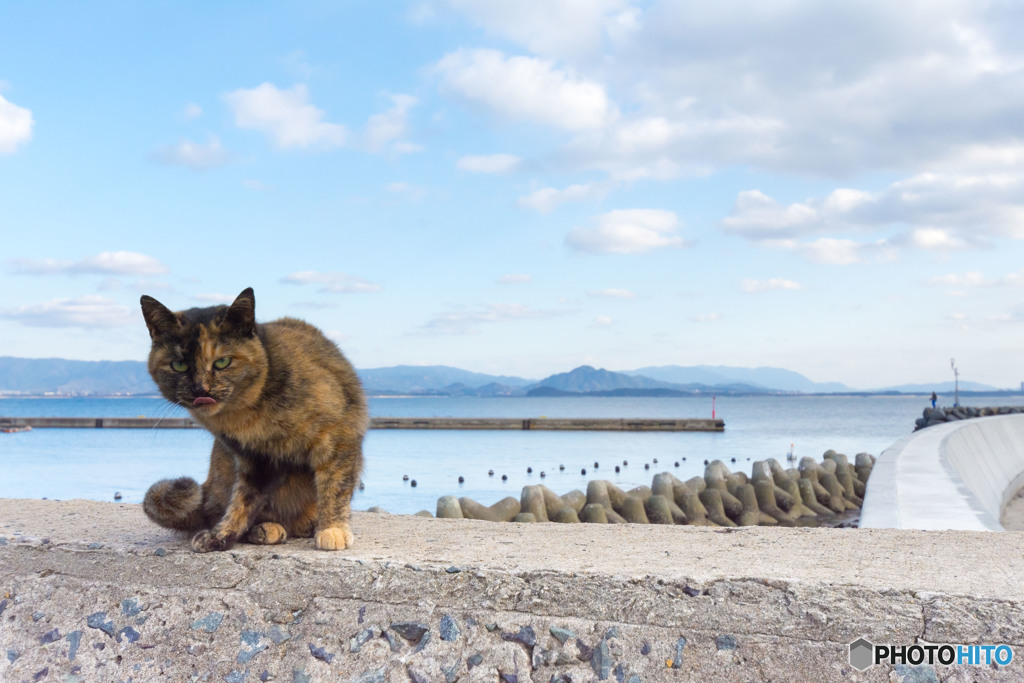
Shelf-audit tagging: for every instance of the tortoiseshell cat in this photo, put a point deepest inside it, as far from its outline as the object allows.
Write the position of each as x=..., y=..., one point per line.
x=288, y=416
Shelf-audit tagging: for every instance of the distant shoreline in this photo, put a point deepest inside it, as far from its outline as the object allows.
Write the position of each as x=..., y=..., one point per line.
x=640, y=393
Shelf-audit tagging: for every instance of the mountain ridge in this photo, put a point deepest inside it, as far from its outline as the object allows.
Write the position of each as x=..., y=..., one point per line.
x=62, y=377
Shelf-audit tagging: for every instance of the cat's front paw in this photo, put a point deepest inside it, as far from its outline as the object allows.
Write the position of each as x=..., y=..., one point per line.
x=334, y=538
x=267, y=533
x=205, y=541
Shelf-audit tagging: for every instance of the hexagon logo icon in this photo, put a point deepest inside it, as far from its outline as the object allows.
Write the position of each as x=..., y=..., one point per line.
x=862, y=654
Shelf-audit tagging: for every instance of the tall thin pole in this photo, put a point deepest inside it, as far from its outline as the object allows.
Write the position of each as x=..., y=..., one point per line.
x=956, y=375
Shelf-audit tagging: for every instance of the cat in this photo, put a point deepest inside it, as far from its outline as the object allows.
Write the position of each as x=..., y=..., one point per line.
x=288, y=416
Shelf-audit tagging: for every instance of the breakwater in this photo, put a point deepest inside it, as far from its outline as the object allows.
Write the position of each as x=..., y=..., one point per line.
x=936, y=416
x=459, y=423
x=826, y=493
x=957, y=475
x=93, y=591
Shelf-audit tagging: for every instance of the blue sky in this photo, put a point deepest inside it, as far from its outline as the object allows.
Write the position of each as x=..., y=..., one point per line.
x=523, y=187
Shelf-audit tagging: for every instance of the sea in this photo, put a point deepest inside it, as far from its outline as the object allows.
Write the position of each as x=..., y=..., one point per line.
x=408, y=470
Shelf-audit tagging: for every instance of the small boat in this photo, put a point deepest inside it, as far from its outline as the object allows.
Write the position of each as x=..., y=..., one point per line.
x=13, y=430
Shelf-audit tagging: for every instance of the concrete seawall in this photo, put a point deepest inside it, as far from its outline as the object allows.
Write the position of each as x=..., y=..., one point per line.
x=471, y=423
x=956, y=475
x=94, y=592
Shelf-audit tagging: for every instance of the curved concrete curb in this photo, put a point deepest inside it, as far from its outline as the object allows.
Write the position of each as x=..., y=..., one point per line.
x=957, y=475
x=93, y=591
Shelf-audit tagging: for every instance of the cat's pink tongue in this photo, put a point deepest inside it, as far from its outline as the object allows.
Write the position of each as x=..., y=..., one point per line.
x=203, y=401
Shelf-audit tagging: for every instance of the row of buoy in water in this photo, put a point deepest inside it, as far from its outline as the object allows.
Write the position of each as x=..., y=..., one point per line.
x=561, y=468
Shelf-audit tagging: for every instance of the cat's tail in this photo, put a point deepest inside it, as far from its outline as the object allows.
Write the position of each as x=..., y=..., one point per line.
x=175, y=504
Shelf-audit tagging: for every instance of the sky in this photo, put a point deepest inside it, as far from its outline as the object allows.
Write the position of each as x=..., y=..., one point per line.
x=521, y=187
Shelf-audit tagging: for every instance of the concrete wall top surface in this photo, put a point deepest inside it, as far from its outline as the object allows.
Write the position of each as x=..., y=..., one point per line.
x=957, y=475
x=94, y=591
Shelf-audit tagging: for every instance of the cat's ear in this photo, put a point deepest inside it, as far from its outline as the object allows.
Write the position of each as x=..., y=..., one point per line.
x=241, y=314
x=159, y=319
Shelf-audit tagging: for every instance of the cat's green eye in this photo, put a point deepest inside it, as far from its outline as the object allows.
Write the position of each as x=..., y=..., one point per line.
x=178, y=366
x=222, y=363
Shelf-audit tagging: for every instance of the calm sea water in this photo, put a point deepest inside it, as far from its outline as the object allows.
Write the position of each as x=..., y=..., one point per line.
x=96, y=463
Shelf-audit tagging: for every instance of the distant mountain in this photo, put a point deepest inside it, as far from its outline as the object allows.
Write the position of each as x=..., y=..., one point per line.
x=39, y=376
x=418, y=379
x=941, y=388
x=767, y=379
x=74, y=377
x=588, y=381
x=652, y=393
x=587, y=378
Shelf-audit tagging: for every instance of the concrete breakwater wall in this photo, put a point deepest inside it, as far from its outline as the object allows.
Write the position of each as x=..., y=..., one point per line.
x=824, y=493
x=462, y=423
x=93, y=591
x=956, y=475
x=937, y=416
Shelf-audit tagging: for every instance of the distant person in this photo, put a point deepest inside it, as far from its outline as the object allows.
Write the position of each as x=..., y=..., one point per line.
x=934, y=399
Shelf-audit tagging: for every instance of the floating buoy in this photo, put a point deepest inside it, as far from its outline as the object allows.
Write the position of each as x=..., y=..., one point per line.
x=461, y=479
x=412, y=483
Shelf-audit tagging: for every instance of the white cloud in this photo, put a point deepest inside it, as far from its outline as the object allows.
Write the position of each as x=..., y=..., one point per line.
x=828, y=250
x=15, y=126
x=413, y=193
x=613, y=293
x=779, y=86
x=490, y=163
x=191, y=111
x=285, y=116
x=89, y=312
x=628, y=231
x=331, y=281
x=931, y=211
x=556, y=28
x=469, y=321
x=104, y=263
x=975, y=278
x=774, y=284
x=526, y=89
x=515, y=279
x=706, y=318
x=545, y=200
x=755, y=215
x=935, y=238
x=603, y=321
x=196, y=156
x=385, y=130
